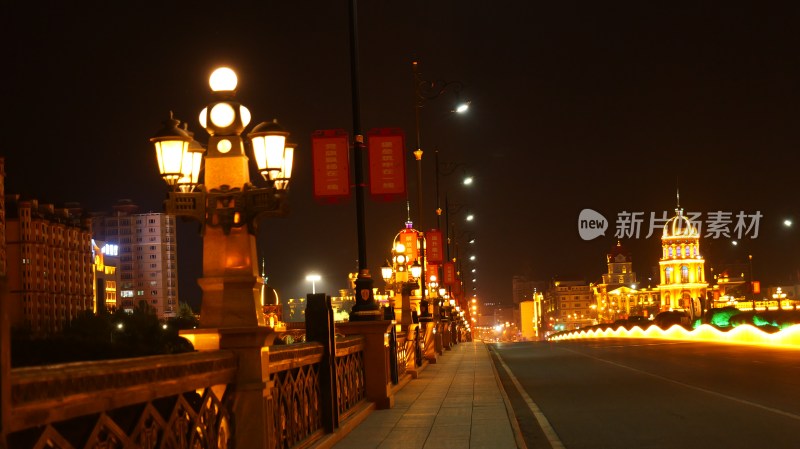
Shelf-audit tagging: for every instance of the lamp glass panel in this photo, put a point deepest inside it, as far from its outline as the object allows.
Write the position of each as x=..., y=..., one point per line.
x=170, y=155
x=288, y=160
x=274, y=146
x=190, y=167
x=260, y=152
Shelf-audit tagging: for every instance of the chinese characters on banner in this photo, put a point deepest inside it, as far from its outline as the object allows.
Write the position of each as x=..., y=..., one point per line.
x=448, y=273
x=434, y=247
x=432, y=273
x=387, y=163
x=408, y=238
x=331, y=164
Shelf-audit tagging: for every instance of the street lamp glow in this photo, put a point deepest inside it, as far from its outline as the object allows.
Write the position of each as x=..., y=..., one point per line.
x=462, y=108
x=471, y=257
x=468, y=181
x=787, y=223
x=470, y=217
x=734, y=243
x=223, y=79
x=313, y=278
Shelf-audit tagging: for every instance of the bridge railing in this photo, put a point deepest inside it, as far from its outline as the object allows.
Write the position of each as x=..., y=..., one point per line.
x=298, y=393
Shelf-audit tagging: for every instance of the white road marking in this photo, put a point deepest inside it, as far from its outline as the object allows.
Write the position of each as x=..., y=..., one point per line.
x=552, y=436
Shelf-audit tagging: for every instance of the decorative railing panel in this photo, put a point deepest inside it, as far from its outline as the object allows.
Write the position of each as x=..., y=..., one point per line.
x=295, y=393
x=177, y=401
x=403, y=353
x=350, y=386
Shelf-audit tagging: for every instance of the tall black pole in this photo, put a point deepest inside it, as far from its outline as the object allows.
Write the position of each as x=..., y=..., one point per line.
x=424, y=307
x=365, y=307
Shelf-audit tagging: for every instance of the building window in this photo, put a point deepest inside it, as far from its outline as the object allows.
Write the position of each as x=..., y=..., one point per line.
x=668, y=275
x=684, y=274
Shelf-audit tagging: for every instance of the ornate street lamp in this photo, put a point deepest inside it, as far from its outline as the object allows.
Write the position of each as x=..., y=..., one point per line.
x=227, y=203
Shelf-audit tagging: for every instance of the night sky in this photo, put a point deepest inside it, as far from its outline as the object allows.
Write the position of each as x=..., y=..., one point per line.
x=602, y=105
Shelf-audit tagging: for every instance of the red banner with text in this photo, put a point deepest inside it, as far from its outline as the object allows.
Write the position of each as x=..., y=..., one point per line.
x=432, y=273
x=331, y=160
x=449, y=273
x=387, y=164
x=408, y=238
x=434, y=247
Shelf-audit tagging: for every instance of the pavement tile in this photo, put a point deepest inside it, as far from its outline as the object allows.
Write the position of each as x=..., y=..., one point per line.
x=455, y=403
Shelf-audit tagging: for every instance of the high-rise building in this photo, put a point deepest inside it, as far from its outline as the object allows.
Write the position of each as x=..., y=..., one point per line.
x=148, y=262
x=49, y=265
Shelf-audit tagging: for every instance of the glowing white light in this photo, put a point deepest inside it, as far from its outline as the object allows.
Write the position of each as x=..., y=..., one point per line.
x=468, y=180
x=223, y=79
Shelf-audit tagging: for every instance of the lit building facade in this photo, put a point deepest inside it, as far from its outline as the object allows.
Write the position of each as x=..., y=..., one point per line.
x=681, y=268
x=619, y=296
x=148, y=261
x=569, y=305
x=49, y=265
x=106, y=260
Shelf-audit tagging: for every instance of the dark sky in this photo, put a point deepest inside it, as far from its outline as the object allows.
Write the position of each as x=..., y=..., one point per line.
x=575, y=105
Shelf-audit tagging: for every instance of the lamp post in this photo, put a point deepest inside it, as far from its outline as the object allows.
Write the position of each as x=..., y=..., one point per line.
x=313, y=278
x=425, y=91
x=228, y=204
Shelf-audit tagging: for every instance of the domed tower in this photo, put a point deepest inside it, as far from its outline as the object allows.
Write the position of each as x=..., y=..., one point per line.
x=682, y=268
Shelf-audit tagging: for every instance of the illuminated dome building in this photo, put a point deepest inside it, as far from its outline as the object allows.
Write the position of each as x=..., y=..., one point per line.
x=683, y=284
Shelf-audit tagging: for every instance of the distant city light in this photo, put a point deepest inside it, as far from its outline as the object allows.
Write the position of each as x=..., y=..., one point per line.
x=462, y=108
x=470, y=217
x=468, y=180
x=471, y=257
x=734, y=242
x=787, y=223
x=313, y=278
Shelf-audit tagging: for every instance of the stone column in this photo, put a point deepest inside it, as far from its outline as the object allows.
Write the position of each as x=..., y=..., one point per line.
x=376, y=359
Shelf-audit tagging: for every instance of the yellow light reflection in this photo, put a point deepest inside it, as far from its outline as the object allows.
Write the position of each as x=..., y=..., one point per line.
x=744, y=335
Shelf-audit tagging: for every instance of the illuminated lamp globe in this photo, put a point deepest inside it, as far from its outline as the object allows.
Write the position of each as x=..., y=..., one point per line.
x=222, y=115
x=171, y=143
x=269, y=143
x=416, y=270
x=223, y=79
x=386, y=271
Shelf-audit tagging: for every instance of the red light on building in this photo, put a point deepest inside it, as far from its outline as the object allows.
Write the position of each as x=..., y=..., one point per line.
x=756, y=287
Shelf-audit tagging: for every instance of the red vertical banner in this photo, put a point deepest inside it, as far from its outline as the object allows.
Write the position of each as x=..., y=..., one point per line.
x=408, y=238
x=387, y=163
x=449, y=273
x=456, y=289
x=434, y=246
x=430, y=271
x=331, y=150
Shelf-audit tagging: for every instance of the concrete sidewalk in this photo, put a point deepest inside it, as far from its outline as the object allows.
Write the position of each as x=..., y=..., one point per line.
x=455, y=403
